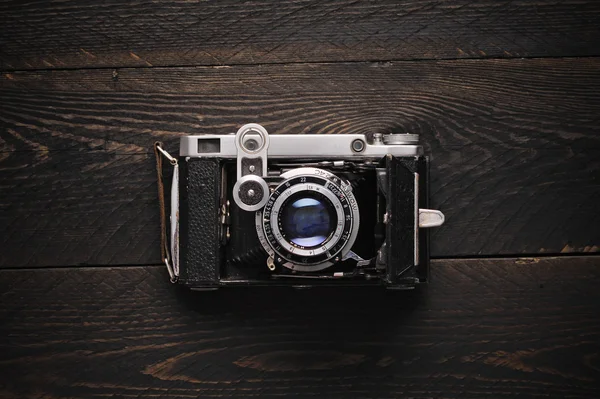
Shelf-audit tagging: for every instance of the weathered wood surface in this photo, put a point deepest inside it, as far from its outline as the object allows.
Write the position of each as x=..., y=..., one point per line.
x=515, y=149
x=514, y=146
x=117, y=33
x=494, y=328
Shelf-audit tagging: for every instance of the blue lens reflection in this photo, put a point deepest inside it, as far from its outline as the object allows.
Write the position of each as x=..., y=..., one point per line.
x=306, y=222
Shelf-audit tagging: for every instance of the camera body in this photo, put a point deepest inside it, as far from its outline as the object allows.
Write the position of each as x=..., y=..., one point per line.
x=301, y=210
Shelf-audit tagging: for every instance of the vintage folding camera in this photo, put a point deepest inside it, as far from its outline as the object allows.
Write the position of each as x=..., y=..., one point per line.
x=300, y=210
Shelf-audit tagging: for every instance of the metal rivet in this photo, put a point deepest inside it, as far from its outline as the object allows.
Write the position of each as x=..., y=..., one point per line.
x=358, y=145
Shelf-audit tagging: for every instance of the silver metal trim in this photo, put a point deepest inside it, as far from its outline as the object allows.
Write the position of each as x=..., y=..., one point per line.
x=236, y=193
x=304, y=146
x=175, y=220
x=416, y=220
x=430, y=218
x=172, y=160
x=400, y=138
x=171, y=249
x=242, y=152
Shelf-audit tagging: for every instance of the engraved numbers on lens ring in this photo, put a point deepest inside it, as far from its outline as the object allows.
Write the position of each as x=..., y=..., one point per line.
x=321, y=257
x=306, y=187
x=261, y=234
x=333, y=245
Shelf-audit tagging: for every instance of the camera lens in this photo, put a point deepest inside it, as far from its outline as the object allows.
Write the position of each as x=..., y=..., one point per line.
x=307, y=219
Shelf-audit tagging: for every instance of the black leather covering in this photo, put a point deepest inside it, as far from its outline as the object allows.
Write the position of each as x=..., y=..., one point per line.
x=199, y=212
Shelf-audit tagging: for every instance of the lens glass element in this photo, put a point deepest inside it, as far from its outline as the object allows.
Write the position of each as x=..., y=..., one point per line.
x=252, y=141
x=251, y=144
x=307, y=219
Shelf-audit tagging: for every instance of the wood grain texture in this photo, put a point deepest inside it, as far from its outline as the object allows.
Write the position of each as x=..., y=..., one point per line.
x=493, y=328
x=515, y=147
x=117, y=33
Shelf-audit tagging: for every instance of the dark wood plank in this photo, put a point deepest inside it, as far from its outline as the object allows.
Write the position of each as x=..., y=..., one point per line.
x=95, y=207
x=494, y=328
x=74, y=34
x=514, y=145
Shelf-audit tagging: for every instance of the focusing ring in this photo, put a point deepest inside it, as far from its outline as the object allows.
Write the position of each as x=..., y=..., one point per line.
x=297, y=257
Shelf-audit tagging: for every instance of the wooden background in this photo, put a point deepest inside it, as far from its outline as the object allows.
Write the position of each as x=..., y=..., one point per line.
x=505, y=95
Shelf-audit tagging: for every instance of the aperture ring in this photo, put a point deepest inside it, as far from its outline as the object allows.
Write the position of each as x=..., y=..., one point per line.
x=291, y=248
x=295, y=256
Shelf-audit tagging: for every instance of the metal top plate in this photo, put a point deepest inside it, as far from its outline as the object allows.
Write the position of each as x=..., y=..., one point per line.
x=307, y=146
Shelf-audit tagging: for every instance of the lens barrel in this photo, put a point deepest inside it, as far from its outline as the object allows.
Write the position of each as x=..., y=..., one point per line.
x=310, y=221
